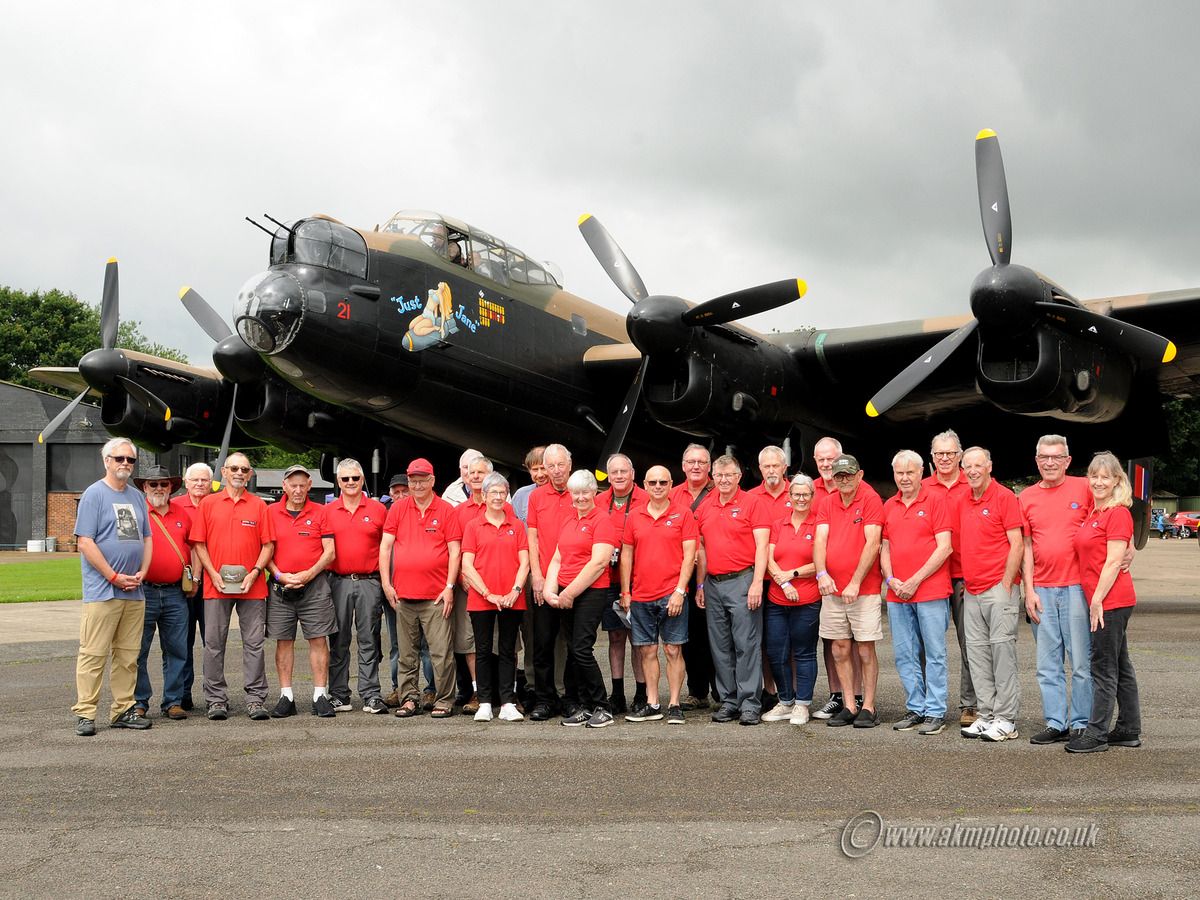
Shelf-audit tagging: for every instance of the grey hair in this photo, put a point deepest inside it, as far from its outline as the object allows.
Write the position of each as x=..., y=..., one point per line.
x=582, y=480
x=908, y=456
x=487, y=462
x=948, y=435
x=801, y=480
x=199, y=467
x=726, y=460
x=468, y=456
x=690, y=447
x=556, y=448
x=1051, y=440
x=495, y=479
x=608, y=462
x=113, y=443
x=349, y=464
x=837, y=445
x=778, y=451
x=987, y=454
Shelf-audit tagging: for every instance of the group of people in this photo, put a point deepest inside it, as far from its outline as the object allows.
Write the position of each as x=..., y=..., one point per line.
x=736, y=585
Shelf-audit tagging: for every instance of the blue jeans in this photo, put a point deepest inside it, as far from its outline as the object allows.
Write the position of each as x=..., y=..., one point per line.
x=166, y=609
x=790, y=635
x=389, y=617
x=1064, y=633
x=916, y=628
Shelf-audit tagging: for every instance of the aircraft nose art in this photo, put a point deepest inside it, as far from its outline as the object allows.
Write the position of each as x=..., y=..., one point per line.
x=269, y=311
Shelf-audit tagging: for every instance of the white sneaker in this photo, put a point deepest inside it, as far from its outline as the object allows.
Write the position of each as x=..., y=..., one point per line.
x=780, y=712
x=510, y=713
x=800, y=714
x=976, y=728
x=1000, y=730
x=485, y=713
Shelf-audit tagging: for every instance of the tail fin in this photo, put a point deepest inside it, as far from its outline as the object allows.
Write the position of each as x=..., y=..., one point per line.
x=1141, y=476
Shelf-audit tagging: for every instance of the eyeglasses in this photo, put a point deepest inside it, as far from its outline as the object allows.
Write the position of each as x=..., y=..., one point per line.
x=945, y=454
x=349, y=479
x=658, y=483
x=198, y=480
x=843, y=476
x=244, y=469
x=800, y=496
x=127, y=460
x=1045, y=458
x=158, y=484
x=695, y=462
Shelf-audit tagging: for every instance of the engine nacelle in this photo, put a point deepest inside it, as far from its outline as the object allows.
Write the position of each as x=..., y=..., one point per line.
x=1046, y=373
x=288, y=418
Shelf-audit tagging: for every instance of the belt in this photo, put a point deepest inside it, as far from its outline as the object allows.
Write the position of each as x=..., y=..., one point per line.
x=359, y=576
x=729, y=576
x=161, y=584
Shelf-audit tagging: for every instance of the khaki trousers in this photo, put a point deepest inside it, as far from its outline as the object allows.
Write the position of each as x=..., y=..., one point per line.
x=413, y=616
x=108, y=627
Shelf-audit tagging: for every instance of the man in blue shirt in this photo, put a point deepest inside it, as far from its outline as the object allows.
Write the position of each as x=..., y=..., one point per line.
x=112, y=530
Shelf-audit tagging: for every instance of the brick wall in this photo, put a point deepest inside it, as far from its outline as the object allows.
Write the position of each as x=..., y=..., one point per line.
x=60, y=517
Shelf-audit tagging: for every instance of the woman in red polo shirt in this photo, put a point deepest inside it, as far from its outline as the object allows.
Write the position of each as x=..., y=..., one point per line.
x=577, y=582
x=1100, y=544
x=495, y=562
x=793, y=611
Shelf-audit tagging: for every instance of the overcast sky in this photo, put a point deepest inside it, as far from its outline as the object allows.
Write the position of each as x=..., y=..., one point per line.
x=723, y=145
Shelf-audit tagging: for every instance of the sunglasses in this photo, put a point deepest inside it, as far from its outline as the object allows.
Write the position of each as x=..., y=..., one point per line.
x=245, y=469
x=349, y=479
x=662, y=483
x=128, y=460
x=158, y=484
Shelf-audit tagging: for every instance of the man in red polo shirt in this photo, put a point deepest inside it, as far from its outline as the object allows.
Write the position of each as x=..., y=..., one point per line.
x=825, y=453
x=549, y=507
x=658, y=554
x=697, y=486
x=621, y=498
x=231, y=531
x=356, y=522
x=991, y=548
x=846, y=554
x=735, y=528
x=304, y=547
x=914, y=558
x=773, y=492
x=949, y=483
x=418, y=569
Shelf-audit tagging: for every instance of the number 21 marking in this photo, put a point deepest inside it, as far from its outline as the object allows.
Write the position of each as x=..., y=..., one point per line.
x=343, y=309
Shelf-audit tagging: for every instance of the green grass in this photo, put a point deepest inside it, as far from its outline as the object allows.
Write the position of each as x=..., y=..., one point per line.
x=53, y=579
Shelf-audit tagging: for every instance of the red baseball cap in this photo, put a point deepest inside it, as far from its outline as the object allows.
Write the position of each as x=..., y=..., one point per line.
x=419, y=467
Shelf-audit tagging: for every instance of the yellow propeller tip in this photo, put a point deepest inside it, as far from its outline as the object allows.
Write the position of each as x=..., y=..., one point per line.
x=112, y=259
x=167, y=415
x=216, y=486
x=41, y=439
x=601, y=476
x=1169, y=353
x=801, y=288
x=183, y=290
x=872, y=411
x=984, y=134
x=583, y=218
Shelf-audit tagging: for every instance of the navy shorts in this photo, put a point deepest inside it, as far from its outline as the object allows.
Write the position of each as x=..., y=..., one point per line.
x=651, y=622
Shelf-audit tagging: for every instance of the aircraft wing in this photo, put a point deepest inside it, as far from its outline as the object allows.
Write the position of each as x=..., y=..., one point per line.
x=1176, y=316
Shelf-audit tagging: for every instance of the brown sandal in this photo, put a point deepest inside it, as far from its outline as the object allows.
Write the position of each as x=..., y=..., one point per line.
x=406, y=709
x=441, y=712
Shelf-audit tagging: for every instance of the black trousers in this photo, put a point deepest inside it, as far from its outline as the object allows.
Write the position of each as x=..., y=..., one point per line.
x=483, y=624
x=1114, y=682
x=582, y=621
x=547, y=624
x=697, y=654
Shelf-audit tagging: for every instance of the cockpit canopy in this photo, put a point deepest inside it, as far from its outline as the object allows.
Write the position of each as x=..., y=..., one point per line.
x=321, y=242
x=471, y=248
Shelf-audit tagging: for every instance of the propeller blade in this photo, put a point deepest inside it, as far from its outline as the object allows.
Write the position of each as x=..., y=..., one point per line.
x=612, y=258
x=746, y=302
x=993, y=196
x=1145, y=346
x=110, y=312
x=60, y=418
x=206, y=317
x=620, y=428
x=143, y=396
x=225, y=440
x=918, y=370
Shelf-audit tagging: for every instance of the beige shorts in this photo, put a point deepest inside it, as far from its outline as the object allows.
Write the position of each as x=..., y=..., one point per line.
x=464, y=633
x=861, y=620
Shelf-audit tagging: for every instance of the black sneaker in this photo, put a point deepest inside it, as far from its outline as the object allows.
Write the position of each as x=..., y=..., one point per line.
x=571, y=709
x=375, y=706
x=910, y=721
x=675, y=715
x=617, y=701
x=1049, y=735
x=725, y=713
x=601, y=718
x=750, y=717
x=1124, y=739
x=323, y=707
x=1085, y=743
x=832, y=707
x=217, y=711
x=644, y=713
x=841, y=718
x=284, y=709
x=541, y=712
x=85, y=727
x=866, y=718
x=341, y=705
x=1077, y=732
x=131, y=718
x=579, y=717
x=932, y=725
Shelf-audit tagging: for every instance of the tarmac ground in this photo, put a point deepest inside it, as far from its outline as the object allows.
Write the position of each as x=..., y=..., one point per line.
x=363, y=806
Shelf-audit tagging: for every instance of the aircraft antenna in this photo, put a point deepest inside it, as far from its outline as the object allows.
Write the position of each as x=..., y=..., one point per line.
x=260, y=227
x=271, y=218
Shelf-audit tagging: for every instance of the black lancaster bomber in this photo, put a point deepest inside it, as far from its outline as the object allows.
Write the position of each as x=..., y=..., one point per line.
x=427, y=335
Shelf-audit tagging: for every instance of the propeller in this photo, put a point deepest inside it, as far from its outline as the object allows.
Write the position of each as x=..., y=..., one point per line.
x=1008, y=299
x=661, y=324
x=206, y=317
